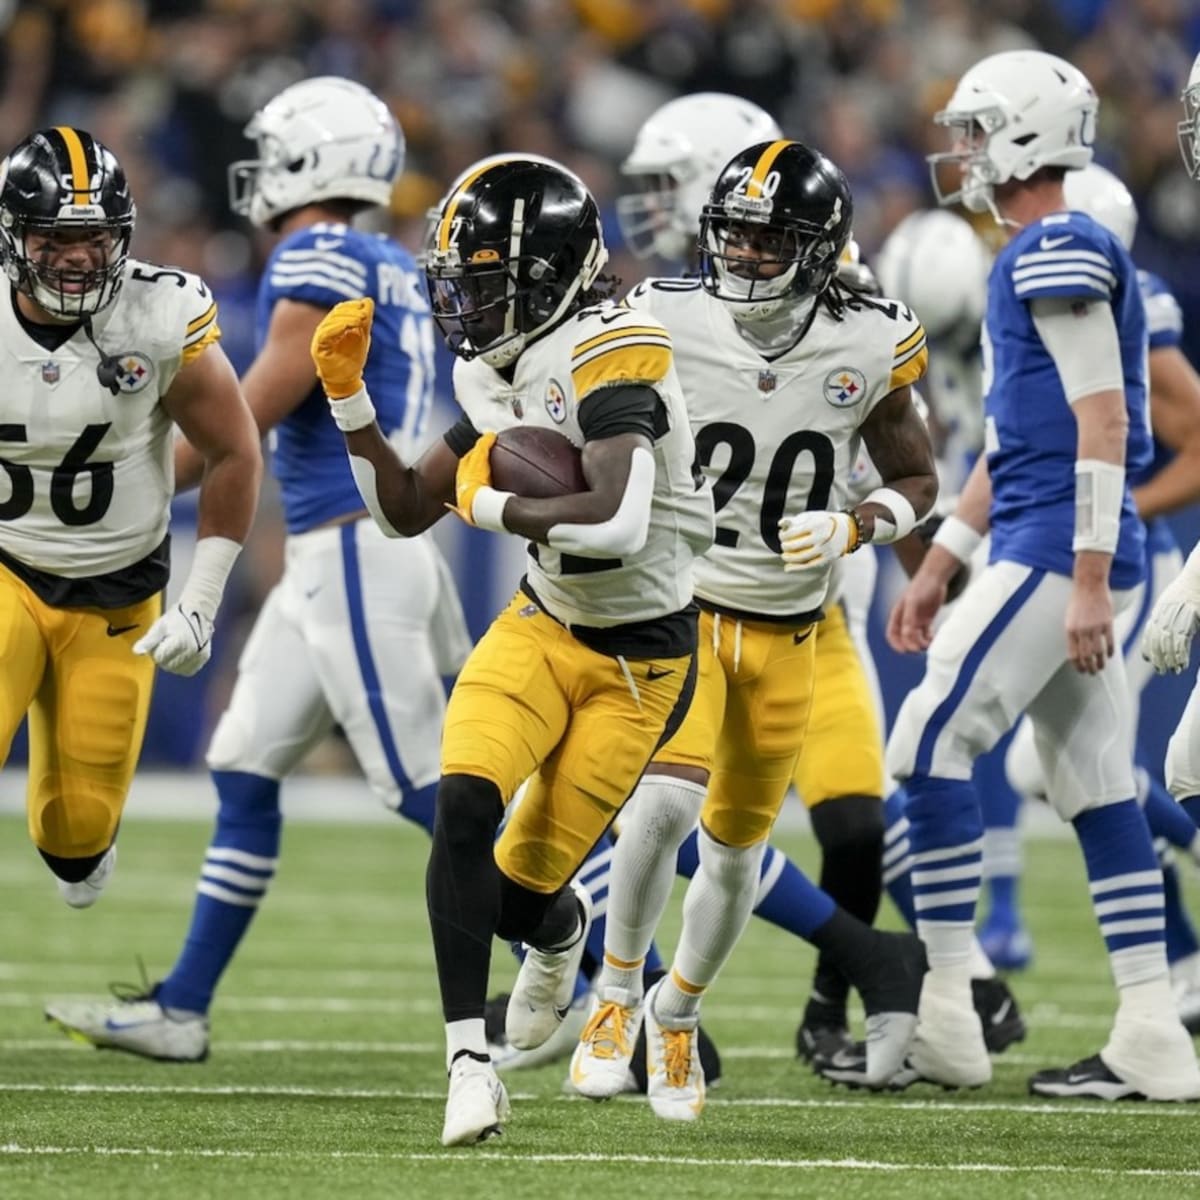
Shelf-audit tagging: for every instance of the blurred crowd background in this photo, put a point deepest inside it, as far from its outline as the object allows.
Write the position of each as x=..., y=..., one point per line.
x=170, y=84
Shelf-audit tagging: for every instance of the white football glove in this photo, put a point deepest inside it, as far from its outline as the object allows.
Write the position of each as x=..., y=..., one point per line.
x=812, y=540
x=179, y=642
x=1167, y=638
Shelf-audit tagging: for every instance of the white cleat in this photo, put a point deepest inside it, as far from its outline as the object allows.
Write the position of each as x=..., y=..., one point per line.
x=477, y=1105
x=545, y=986
x=138, y=1026
x=600, y=1066
x=87, y=891
x=558, y=1045
x=674, y=1076
x=948, y=1047
x=1156, y=1056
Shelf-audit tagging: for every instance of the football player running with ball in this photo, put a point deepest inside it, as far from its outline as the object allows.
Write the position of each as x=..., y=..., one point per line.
x=784, y=370
x=1065, y=342
x=106, y=355
x=592, y=664
x=361, y=627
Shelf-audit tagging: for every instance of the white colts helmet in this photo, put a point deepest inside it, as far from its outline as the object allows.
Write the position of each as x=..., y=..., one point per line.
x=1012, y=114
x=934, y=262
x=676, y=158
x=321, y=139
x=1099, y=193
x=1189, y=127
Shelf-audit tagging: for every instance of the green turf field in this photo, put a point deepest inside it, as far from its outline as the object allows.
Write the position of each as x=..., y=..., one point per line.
x=326, y=1078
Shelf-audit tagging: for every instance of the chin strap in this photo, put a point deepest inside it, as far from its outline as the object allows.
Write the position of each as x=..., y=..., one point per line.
x=108, y=368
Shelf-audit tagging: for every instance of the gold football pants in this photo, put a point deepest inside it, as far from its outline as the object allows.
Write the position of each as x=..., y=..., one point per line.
x=843, y=752
x=533, y=702
x=87, y=695
x=747, y=721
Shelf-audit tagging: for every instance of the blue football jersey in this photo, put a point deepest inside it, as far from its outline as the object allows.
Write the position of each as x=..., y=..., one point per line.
x=323, y=265
x=1164, y=324
x=1031, y=434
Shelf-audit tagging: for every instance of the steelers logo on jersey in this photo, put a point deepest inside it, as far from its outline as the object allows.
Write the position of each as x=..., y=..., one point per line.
x=845, y=387
x=556, y=402
x=134, y=371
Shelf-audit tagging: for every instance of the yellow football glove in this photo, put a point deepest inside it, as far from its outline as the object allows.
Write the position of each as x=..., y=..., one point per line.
x=339, y=347
x=474, y=472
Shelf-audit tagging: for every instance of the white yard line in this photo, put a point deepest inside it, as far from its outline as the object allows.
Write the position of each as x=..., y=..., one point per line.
x=523, y=1159
x=967, y=1106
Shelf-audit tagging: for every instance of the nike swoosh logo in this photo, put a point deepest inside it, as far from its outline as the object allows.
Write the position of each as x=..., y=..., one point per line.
x=656, y=673
x=561, y=1013
x=309, y=593
x=1054, y=243
x=121, y=1026
x=116, y=631
x=801, y=638
x=1001, y=1012
x=326, y=243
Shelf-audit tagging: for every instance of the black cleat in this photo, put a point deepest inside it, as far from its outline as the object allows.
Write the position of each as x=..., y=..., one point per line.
x=1088, y=1079
x=998, y=1013
x=819, y=1044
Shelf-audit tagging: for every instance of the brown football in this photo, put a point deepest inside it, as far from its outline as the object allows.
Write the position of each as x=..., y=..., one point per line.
x=536, y=463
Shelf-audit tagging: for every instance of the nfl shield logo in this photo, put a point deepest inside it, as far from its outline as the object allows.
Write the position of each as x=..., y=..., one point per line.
x=517, y=407
x=766, y=382
x=49, y=372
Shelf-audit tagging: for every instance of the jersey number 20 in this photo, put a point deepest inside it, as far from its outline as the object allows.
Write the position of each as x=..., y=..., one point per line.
x=779, y=475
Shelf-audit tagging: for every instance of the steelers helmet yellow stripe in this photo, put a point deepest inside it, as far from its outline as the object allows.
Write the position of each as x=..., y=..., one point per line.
x=452, y=202
x=81, y=180
x=754, y=185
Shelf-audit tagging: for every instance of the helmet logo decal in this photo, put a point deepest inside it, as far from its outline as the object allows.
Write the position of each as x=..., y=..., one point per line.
x=845, y=387
x=556, y=402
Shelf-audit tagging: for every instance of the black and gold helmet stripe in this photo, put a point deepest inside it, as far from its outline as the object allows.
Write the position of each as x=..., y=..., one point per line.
x=81, y=179
x=452, y=202
x=766, y=160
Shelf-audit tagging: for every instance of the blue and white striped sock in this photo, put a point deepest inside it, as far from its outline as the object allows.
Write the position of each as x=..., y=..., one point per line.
x=1127, y=890
x=946, y=831
x=238, y=868
x=897, y=856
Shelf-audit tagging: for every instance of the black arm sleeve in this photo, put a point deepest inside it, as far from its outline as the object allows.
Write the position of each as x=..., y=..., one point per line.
x=628, y=408
x=461, y=436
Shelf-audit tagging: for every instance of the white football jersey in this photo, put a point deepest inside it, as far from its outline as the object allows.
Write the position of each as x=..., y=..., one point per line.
x=90, y=474
x=599, y=348
x=777, y=436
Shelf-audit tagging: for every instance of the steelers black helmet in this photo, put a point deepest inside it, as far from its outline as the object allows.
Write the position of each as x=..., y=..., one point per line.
x=514, y=249
x=775, y=225
x=62, y=182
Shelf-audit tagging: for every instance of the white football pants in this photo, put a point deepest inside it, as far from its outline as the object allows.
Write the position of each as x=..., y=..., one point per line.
x=358, y=633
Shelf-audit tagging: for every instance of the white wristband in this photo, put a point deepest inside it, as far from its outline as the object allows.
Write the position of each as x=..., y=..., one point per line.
x=956, y=537
x=1099, y=496
x=487, y=509
x=205, y=584
x=354, y=412
x=904, y=516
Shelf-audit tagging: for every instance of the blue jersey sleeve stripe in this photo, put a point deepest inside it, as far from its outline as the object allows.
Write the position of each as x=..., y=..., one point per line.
x=1041, y=256
x=1052, y=268
x=316, y=266
x=303, y=282
x=1063, y=285
x=337, y=260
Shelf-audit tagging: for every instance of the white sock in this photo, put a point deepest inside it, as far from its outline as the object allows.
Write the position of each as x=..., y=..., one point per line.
x=716, y=909
x=981, y=965
x=465, y=1035
x=947, y=943
x=661, y=813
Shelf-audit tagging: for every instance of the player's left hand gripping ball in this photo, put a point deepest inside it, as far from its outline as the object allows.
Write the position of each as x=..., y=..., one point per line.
x=811, y=540
x=474, y=473
x=179, y=642
x=340, y=345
